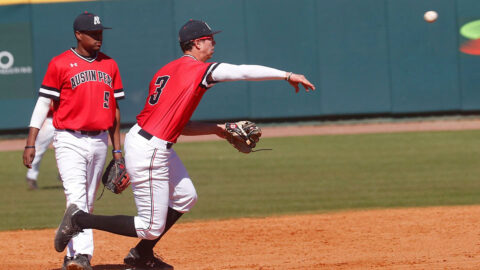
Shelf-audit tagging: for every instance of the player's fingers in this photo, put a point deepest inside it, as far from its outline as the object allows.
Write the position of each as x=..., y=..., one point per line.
x=24, y=159
x=295, y=79
x=308, y=86
x=306, y=83
x=27, y=163
x=27, y=160
x=295, y=85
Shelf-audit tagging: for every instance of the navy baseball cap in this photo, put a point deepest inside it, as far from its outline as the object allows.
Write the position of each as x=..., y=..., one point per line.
x=194, y=29
x=88, y=22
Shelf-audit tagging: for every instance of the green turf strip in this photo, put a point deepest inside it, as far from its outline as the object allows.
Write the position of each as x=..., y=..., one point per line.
x=301, y=175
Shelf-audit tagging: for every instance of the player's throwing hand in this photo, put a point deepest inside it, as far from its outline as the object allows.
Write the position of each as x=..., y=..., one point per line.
x=295, y=79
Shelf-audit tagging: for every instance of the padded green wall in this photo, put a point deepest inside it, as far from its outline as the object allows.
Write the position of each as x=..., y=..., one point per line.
x=365, y=57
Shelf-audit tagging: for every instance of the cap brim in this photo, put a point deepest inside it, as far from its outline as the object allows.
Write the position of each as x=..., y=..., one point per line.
x=98, y=29
x=215, y=32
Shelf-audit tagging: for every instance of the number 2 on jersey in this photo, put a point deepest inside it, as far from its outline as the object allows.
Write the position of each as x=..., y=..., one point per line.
x=161, y=82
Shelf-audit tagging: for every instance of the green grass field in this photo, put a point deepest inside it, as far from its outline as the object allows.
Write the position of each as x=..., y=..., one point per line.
x=301, y=175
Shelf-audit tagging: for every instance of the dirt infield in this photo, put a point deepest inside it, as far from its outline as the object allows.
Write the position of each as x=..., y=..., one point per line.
x=415, y=238
x=428, y=238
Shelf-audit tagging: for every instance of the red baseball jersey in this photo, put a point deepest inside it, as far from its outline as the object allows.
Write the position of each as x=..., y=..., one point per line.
x=84, y=91
x=174, y=93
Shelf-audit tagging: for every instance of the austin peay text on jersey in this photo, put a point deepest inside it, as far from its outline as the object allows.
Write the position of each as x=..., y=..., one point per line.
x=90, y=75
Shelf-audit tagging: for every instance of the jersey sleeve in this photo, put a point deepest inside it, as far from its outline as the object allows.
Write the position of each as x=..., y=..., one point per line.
x=118, y=92
x=206, y=83
x=228, y=72
x=50, y=87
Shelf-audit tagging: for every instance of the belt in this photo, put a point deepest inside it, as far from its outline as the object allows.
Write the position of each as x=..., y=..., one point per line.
x=85, y=132
x=148, y=136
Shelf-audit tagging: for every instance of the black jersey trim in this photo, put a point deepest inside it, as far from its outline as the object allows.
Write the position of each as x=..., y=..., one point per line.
x=118, y=94
x=204, y=83
x=55, y=98
x=49, y=88
x=90, y=60
x=213, y=82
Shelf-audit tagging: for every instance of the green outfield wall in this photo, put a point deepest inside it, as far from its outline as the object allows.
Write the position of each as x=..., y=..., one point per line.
x=365, y=57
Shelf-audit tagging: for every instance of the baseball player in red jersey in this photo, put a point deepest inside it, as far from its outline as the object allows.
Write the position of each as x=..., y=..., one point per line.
x=162, y=188
x=84, y=85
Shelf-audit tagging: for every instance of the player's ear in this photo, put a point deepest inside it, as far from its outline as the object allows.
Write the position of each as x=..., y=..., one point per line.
x=196, y=43
x=78, y=35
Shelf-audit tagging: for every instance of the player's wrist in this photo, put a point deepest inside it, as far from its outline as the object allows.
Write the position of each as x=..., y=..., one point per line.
x=288, y=75
x=220, y=130
x=29, y=146
x=117, y=153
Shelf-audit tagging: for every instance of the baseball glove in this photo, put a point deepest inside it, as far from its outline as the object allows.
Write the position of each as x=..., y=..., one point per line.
x=115, y=178
x=243, y=135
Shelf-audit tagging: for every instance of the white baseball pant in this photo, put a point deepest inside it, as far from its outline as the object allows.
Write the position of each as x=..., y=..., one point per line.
x=80, y=161
x=44, y=139
x=159, y=180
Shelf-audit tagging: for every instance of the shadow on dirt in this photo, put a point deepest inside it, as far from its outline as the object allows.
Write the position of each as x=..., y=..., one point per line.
x=106, y=267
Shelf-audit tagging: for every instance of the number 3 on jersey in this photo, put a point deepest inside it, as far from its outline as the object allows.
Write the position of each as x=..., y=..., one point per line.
x=161, y=82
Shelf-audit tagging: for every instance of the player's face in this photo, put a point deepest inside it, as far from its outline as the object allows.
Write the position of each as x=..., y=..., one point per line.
x=207, y=46
x=90, y=40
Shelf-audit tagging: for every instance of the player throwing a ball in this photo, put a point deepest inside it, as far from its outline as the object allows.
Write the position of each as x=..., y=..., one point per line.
x=162, y=188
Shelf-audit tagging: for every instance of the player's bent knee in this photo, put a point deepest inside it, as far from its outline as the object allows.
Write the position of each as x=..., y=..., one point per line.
x=146, y=229
x=152, y=234
x=192, y=200
x=186, y=203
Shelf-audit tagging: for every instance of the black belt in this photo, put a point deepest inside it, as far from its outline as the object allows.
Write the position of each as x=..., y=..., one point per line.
x=85, y=132
x=148, y=136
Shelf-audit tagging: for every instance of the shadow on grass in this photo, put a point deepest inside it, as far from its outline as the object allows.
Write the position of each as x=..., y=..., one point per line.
x=51, y=187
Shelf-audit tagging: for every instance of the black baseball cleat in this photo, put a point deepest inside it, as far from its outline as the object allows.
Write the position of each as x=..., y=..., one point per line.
x=66, y=230
x=151, y=262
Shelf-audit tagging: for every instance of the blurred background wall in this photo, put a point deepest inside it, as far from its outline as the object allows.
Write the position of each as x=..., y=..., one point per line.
x=369, y=57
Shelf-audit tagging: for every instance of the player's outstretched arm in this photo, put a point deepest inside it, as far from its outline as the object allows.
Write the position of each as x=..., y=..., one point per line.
x=224, y=72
